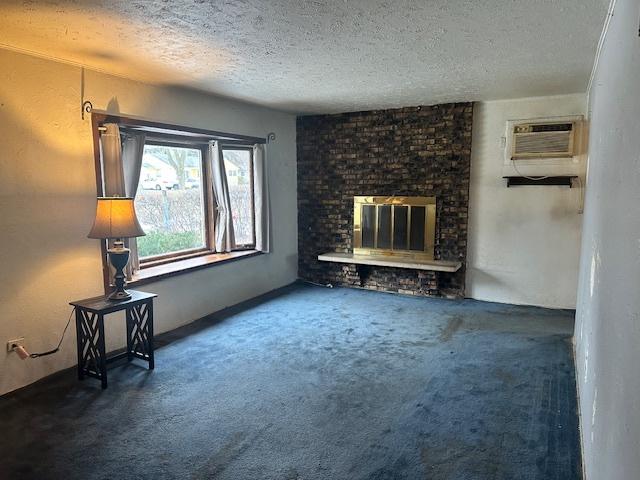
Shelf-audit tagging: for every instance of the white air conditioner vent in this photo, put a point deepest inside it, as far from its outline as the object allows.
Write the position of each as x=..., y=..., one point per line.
x=543, y=140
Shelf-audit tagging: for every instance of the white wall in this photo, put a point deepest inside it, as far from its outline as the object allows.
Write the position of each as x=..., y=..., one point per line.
x=523, y=242
x=47, y=201
x=608, y=312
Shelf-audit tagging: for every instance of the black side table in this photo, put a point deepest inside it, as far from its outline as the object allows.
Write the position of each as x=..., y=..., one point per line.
x=90, y=312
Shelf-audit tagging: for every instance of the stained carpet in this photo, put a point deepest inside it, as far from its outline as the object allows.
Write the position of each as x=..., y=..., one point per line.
x=317, y=383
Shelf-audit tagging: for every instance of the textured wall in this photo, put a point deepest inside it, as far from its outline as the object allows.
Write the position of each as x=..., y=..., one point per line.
x=47, y=205
x=407, y=151
x=608, y=309
x=510, y=227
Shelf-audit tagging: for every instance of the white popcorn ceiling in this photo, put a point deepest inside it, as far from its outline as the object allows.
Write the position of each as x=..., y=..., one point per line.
x=323, y=56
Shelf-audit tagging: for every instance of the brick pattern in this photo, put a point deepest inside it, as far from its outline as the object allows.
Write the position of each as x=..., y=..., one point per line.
x=418, y=151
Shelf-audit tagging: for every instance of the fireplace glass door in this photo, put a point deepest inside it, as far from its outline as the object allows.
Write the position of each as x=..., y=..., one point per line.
x=394, y=226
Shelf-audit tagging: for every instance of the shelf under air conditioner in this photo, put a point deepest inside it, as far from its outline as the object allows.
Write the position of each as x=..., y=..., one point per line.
x=560, y=180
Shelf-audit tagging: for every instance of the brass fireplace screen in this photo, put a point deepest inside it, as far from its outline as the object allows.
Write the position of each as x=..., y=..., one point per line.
x=403, y=226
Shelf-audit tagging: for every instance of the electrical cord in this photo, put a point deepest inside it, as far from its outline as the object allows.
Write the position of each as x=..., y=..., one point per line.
x=524, y=176
x=578, y=181
x=580, y=194
x=327, y=285
x=50, y=352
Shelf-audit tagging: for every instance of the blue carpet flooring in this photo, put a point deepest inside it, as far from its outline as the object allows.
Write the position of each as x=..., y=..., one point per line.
x=317, y=383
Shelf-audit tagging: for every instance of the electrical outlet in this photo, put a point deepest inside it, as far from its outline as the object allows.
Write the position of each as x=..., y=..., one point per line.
x=11, y=344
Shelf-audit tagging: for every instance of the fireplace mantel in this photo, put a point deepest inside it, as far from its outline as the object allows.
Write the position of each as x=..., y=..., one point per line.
x=391, y=261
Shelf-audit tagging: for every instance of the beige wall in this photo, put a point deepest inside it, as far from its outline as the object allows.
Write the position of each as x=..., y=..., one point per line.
x=524, y=242
x=47, y=200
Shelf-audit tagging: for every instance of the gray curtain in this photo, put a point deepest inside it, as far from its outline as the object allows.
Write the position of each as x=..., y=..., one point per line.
x=121, y=165
x=111, y=154
x=132, y=153
x=112, y=171
x=261, y=198
x=224, y=238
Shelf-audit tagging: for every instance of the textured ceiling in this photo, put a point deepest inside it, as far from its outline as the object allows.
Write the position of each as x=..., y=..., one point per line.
x=323, y=56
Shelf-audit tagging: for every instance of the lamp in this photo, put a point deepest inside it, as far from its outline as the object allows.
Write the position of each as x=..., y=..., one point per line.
x=116, y=219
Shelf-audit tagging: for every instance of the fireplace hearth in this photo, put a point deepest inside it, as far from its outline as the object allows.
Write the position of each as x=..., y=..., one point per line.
x=392, y=232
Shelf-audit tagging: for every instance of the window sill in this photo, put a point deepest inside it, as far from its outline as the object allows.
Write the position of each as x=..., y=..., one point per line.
x=158, y=272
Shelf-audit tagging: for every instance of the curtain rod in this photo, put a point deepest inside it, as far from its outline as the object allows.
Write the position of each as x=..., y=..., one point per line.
x=134, y=123
x=190, y=136
x=189, y=139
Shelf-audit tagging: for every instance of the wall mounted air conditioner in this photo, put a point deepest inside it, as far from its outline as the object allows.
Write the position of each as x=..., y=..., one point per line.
x=543, y=140
x=544, y=146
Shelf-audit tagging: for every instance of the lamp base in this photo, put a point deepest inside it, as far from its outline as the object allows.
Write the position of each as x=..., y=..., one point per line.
x=119, y=295
x=119, y=256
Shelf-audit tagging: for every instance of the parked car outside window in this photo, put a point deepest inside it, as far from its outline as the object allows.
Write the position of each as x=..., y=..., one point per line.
x=159, y=183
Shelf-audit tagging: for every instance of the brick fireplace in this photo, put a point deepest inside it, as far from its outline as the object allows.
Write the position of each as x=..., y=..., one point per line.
x=413, y=151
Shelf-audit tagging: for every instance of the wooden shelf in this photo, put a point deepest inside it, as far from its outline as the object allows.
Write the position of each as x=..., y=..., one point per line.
x=391, y=261
x=561, y=180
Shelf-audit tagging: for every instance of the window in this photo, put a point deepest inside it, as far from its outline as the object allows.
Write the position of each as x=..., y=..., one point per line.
x=170, y=202
x=238, y=164
x=173, y=203
x=176, y=193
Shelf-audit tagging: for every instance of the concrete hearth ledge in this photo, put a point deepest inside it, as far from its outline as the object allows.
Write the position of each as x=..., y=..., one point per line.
x=388, y=261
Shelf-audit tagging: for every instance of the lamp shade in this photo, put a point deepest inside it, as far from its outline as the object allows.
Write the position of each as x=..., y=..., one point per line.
x=115, y=218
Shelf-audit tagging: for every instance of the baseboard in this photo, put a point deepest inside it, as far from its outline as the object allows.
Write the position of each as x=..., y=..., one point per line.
x=579, y=405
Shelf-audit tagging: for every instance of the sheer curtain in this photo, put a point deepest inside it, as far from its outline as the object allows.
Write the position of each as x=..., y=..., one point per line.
x=121, y=165
x=132, y=153
x=224, y=238
x=261, y=198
